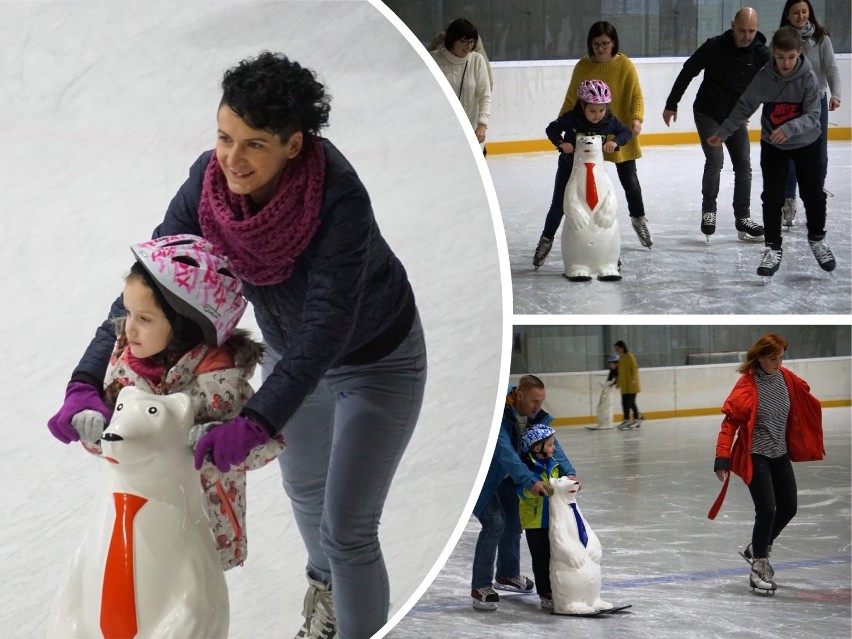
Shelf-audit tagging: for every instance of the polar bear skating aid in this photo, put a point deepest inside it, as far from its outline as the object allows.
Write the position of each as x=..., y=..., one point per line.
x=147, y=566
x=590, y=239
x=575, y=555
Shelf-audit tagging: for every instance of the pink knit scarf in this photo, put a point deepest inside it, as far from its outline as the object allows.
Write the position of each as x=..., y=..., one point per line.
x=263, y=246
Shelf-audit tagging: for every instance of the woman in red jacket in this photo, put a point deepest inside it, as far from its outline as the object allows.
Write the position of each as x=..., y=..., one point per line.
x=776, y=421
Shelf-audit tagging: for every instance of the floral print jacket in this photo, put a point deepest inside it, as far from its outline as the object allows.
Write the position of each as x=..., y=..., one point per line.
x=217, y=380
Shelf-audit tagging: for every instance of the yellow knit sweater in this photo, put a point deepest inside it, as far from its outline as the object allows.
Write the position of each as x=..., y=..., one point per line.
x=627, y=103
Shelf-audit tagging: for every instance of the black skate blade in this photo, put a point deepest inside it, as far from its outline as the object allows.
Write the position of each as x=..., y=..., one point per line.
x=597, y=613
x=578, y=278
x=609, y=278
x=742, y=554
x=600, y=427
x=616, y=609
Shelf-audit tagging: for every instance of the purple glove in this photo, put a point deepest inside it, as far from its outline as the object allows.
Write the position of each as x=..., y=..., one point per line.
x=79, y=396
x=229, y=444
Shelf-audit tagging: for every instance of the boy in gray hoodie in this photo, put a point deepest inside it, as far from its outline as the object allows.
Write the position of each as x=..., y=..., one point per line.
x=788, y=90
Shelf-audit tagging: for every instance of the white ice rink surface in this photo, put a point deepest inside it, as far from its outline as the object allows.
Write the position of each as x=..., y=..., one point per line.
x=682, y=273
x=105, y=107
x=646, y=493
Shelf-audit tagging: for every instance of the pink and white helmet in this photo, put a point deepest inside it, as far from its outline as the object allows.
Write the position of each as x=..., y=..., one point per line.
x=197, y=281
x=594, y=92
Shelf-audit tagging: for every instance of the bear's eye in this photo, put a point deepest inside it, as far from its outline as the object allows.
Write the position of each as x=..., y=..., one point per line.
x=152, y=410
x=119, y=407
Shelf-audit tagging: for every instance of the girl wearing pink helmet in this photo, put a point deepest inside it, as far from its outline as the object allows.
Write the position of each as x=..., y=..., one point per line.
x=182, y=303
x=346, y=356
x=605, y=63
x=590, y=116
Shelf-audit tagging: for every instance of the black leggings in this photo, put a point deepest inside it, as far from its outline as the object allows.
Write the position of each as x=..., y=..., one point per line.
x=773, y=490
x=628, y=403
x=538, y=540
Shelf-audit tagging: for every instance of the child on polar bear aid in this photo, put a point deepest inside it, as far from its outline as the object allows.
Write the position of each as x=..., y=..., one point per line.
x=589, y=117
x=537, y=446
x=182, y=305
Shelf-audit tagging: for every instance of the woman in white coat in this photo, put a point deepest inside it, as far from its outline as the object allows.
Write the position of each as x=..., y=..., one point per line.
x=467, y=73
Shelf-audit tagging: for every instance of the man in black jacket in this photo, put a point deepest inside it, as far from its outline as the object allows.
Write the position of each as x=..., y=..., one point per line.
x=729, y=62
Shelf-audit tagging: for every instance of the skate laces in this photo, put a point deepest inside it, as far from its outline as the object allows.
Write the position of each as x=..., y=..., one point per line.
x=748, y=224
x=641, y=230
x=709, y=217
x=820, y=250
x=318, y=611
x=760, y=567
x=543, y=248
x=770, y=257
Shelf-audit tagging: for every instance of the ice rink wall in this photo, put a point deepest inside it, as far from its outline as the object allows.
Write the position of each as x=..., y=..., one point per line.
x=683, y=391
x=527, y=96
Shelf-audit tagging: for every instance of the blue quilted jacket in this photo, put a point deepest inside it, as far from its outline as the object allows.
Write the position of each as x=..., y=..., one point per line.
x=348, y=301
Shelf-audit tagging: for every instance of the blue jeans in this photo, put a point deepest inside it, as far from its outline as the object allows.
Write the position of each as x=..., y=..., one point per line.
x=790, y=186
x=626, y=175
x=714, y=157
x=344, y=444
x=500, y=537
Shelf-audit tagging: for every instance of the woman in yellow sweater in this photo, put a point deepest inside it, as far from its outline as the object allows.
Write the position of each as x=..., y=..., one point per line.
x=628, y=384
x=605, y=63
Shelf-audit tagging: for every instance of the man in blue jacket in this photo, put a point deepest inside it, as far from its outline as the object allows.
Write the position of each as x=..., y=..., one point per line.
x=497, y=506
x=729, y=62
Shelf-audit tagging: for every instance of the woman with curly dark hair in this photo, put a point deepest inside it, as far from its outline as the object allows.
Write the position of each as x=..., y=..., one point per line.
x=346, y=362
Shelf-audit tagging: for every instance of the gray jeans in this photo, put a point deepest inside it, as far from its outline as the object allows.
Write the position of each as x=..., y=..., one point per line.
x=344, y=444
x=738, y=149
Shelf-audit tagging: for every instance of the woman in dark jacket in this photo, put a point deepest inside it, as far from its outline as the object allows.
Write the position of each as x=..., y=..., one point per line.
x=347, y=359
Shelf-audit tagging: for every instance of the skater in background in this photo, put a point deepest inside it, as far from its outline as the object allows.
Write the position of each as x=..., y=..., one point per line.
x=604, y=62
x=820, y=52
x=604, y=408
x=497, y=505
x=346, y=357
x=438, y=42
x=467, y=73
x=771, y=419
x=537, y=447
x=628, y=384
x=612, y=377
x=729, y=62
x=590, y=116
x=169, y=343
x=789, y=131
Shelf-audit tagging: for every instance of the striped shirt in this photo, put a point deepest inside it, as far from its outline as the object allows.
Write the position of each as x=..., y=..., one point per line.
x=773, y=406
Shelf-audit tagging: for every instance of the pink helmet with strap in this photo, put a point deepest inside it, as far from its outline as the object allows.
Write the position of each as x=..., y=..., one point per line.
x=594, y=92
x=197, y=281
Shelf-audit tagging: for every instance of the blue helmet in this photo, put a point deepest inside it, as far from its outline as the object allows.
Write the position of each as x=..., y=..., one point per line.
x=612, y=359
x=535, y=434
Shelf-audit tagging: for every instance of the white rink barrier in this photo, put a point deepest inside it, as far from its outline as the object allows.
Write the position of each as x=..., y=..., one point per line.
x=680, y=391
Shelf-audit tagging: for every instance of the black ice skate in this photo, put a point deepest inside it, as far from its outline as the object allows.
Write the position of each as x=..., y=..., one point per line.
x=541, y=251
x=748, y=230
x=521, y=583
x=770, y=263
x=822, y=254
x=708, y=223
x=749, y=557
x=642, y=232
x=759, y=578
x=485, y=598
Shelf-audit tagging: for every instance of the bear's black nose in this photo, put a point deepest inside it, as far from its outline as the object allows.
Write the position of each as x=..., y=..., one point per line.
x=112, y=437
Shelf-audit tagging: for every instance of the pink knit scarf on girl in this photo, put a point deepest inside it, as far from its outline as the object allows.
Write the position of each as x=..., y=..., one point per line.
x=264, y=246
